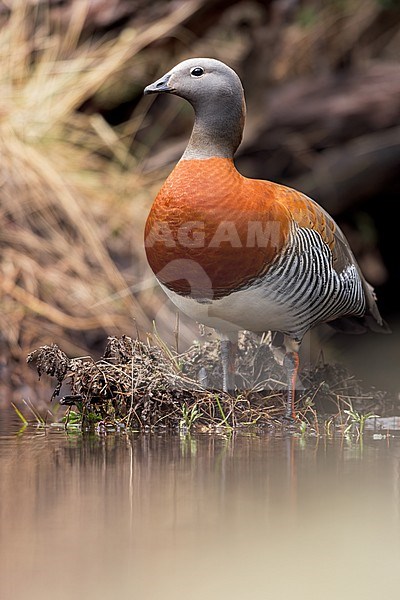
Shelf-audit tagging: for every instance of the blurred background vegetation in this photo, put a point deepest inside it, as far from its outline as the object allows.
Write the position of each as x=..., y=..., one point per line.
x=83, y=153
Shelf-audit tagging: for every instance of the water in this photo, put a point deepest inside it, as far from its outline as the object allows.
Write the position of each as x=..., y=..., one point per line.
x=160, y=516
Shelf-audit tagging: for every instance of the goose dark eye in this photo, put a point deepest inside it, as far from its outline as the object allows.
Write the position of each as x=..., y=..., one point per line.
x=197, y=72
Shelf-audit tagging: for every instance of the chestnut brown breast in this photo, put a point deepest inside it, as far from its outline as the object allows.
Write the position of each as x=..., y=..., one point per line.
x=212, y=231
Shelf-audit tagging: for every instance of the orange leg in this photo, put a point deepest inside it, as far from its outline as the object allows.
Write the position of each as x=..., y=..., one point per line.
x=291, y=365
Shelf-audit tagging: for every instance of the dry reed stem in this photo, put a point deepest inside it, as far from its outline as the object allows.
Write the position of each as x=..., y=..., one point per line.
x=55, y=266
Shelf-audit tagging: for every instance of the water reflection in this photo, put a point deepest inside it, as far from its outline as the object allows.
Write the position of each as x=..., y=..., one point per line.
x=158, y=516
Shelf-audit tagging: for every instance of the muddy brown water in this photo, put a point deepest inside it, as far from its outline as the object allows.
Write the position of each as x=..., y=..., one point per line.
x=201, y=516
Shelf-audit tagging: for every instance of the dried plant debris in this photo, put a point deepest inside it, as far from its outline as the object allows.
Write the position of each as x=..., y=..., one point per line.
x=145, y=385
x=52, y=361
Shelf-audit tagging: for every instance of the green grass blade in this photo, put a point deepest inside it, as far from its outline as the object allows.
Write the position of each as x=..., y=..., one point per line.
x=19, y=414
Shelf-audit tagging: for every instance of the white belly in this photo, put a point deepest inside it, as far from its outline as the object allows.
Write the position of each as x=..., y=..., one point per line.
x=248, y=309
